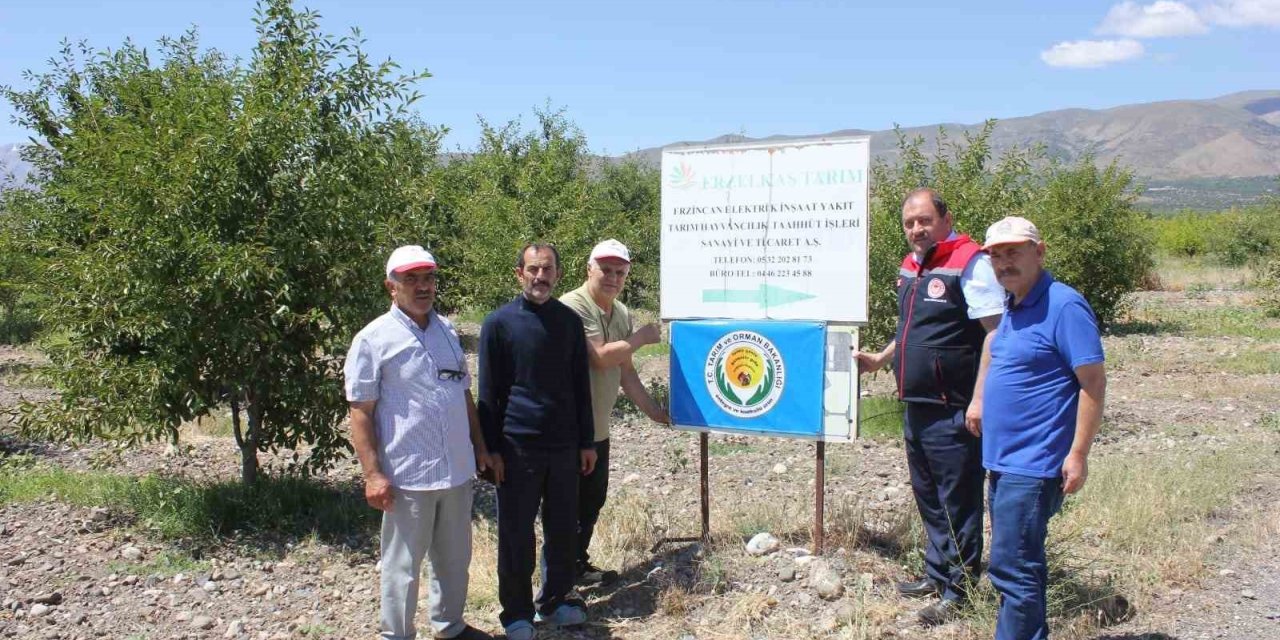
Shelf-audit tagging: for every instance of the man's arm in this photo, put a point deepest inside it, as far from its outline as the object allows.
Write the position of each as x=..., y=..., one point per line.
x=605, y=355
x=635, y=390
x=870, y=362
x=484, y=461
x=1093, y=391
x=493, y=387
x=973, y=415
x=580, y=379
x=364, y=439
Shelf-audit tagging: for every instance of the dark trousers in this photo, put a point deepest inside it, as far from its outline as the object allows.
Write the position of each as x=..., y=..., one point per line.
x=945, y=462
x=546, y=479
x=1020, y=510
x=592, y=492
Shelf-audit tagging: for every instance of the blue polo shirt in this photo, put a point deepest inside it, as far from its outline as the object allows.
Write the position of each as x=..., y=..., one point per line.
x=1031, y=393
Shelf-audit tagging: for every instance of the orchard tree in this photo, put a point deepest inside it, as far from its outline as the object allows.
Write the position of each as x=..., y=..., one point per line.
x=212, y=232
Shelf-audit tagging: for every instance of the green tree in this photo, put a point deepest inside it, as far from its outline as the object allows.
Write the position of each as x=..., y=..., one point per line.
x=1098, y=243
x=212, y=231
x=544, y=185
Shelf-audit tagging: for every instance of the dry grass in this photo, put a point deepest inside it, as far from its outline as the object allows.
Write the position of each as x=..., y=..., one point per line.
x=1182, y=274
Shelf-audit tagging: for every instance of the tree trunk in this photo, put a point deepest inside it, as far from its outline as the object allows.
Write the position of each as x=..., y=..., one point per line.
x=247, y=440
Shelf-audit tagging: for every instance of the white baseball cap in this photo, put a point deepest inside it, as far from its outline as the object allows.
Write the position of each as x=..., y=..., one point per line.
x=1011, y=230
x=611, y=249
x=409, y=257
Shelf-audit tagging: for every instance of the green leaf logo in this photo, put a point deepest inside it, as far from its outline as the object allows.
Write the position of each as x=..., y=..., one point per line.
x=745, y=374
x=681, y=176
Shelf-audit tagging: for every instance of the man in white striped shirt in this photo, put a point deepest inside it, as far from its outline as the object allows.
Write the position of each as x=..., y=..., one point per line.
x=415, y=430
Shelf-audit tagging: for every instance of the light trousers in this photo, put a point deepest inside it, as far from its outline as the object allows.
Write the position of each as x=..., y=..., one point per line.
x=435, y=525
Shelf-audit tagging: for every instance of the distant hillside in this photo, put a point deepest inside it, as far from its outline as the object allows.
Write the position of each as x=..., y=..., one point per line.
x=1202, y=154
x=10, y=163
x=1197, y=153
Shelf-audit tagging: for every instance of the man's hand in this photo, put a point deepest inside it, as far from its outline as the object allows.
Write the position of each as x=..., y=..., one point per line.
x=482, y=462
x=973, y=418
x=497, y=468
x=649, y=334
x=377, y=491
x=1075, y=470
x=588, y=457
x=869, y=362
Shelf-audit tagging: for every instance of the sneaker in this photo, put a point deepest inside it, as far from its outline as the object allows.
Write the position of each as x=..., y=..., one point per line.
x=591, y=574
x=565, y=615
x=940, y=612
x=520, y=630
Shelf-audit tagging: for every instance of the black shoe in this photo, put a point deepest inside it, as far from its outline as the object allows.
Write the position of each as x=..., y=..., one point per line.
x=940, y=612
x=591, y=574
x=919, y=589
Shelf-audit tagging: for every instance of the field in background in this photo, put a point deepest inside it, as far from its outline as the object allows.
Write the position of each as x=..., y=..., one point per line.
x=1181, y=488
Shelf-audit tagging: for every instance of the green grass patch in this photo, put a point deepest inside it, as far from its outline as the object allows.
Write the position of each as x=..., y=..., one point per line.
x=880, y=418
x=728, y=448
x=164, y=564
x=1201, y=322
x=1251, y=362
x=653, y=350
x=174, y=509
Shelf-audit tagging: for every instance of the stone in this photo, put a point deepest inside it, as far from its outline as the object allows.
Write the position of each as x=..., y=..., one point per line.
x=37, y=610
x=825, y=580
x=234, y=629
x=131, y=553
x=804, y=561
x=762, y=543
x=202, y=622
x=846, y=612
x=53, y=597
x=1248, y=594
x=787, y=573
x=779, y=468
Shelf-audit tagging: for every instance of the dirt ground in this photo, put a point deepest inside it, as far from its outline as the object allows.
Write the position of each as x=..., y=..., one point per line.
x=74, y=572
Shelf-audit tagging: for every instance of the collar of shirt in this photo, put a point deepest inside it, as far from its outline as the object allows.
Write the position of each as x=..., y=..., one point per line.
x=404, y=319
x=530, y=305
x=953, y=236
x=1033, y=296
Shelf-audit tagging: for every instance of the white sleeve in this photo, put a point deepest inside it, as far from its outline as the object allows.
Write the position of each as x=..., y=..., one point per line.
x=982, y=291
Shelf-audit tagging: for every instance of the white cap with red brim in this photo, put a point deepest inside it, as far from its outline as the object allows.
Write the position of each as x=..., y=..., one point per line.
x=408, y=258
x=611, y=249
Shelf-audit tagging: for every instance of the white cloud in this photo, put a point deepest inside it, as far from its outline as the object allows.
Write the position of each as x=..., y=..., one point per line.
x=1244, y=13
x=1091, y=53
x=1160, y=19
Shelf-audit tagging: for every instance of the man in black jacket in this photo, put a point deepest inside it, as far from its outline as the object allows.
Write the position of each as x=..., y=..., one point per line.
x=948, y=299
x=535, y=412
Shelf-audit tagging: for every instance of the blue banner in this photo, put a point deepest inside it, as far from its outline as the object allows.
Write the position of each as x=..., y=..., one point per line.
x=763, y=377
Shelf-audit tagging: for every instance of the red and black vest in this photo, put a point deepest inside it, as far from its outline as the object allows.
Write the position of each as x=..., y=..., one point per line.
x=938, y=346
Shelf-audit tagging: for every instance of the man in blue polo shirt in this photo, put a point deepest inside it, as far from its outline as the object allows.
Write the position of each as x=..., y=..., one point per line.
x=1041, y=385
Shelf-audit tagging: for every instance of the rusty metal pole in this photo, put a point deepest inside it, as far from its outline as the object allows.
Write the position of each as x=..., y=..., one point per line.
x=819, y=498
x=704, y=486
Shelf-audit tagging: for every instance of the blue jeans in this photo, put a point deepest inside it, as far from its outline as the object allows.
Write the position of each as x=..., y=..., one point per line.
x=1020, y=510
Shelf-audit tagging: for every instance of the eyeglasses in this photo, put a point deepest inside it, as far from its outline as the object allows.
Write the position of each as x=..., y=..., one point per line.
x=450, y=374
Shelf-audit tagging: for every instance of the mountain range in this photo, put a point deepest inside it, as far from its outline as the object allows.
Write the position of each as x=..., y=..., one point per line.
x=1188, y=153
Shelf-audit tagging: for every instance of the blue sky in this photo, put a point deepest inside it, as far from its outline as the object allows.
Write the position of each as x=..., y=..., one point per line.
x=641, y=74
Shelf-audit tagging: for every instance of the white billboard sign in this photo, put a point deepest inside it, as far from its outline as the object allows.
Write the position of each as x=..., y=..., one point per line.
x=766, y=230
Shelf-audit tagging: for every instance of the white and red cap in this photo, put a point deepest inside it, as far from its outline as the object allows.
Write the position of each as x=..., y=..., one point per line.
x=611, y=249
x=1012, y=230
x=408, y=258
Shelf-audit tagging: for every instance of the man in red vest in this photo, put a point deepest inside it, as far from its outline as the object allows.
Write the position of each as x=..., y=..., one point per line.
x=948, y=301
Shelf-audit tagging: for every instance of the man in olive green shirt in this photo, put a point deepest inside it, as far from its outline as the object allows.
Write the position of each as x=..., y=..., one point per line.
x=611, y=339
